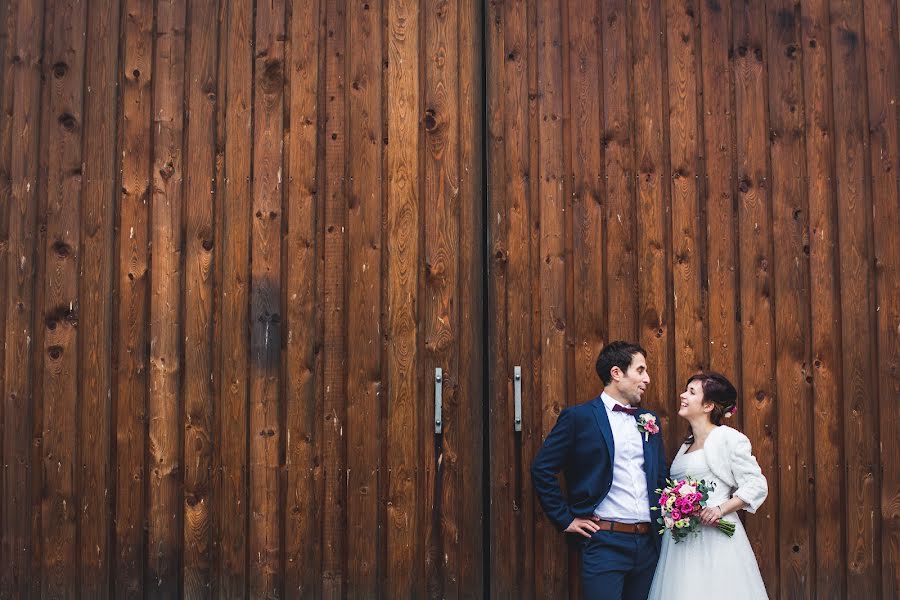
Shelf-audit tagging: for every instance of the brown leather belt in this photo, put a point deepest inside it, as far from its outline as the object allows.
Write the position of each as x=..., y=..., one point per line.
x=605, y=525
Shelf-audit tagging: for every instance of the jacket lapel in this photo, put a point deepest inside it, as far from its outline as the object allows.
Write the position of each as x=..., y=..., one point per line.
x=603, y=423
x=649, y=459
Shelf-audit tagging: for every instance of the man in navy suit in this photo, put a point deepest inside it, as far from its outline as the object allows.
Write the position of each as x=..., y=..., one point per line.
x=613, y=462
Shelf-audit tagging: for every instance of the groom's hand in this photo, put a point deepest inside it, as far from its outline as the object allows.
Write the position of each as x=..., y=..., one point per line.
x=584, y=527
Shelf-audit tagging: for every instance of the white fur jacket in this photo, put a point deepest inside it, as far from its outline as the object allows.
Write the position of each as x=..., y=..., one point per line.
x=731, y=459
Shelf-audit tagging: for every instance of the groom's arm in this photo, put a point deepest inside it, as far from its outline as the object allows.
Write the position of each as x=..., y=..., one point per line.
x=548, y=463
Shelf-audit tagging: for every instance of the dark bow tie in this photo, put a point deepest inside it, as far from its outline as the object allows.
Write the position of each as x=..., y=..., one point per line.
x=625, y=409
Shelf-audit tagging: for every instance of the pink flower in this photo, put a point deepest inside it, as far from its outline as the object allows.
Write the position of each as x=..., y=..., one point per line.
x=676, y=514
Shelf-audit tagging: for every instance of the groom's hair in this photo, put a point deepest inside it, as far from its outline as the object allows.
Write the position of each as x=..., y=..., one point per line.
x=616, y=354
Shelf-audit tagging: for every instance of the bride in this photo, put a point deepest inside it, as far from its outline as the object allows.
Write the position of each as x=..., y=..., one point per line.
x=710, y=564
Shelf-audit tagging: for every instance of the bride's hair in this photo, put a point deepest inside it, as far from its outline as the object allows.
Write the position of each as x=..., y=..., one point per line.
x=718, y=391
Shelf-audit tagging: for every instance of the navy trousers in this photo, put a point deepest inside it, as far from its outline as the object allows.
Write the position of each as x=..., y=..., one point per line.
x=618, y=566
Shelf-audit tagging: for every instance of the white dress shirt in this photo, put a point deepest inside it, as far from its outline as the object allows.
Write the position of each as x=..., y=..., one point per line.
x=627, y=500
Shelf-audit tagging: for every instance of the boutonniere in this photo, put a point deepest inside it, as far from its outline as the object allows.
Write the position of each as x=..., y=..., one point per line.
x=646, y=423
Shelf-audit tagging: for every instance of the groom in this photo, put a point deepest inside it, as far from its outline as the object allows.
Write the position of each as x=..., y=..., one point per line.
x=611, y=454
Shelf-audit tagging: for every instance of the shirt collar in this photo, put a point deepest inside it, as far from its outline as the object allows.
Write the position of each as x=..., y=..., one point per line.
x=609, y=402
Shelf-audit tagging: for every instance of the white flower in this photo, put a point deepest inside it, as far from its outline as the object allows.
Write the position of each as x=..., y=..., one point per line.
x=669, y=521
x=687, y=489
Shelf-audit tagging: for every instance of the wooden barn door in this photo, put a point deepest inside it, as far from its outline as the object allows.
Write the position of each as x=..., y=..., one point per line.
x=237, y=241
x=570, y=229
x=700, y=177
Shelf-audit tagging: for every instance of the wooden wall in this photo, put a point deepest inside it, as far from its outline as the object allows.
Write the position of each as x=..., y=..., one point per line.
x=719, y=181
x=237, y=239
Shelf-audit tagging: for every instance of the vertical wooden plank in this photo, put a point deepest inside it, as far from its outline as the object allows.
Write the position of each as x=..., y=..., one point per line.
x=859, y=390
x=217, y=382
x=402, y=361
x=335, y=257
x=471, y=304
x=95, y=522
x=618, y=156
x=364, y=389
x=589, y=253
x=757, y=384
x=199, y=185
x=36, y=461
x=883, y=64
x=234, y=358
x=164, y=510
x=264, y=543
x=7, y=32
x=441, y=324
x=18, y=401
x=684, y=147
x=303, y=345
x=825, y=302
x=65, y=52
x=652, y=206
x=719, y=188
x=131, y=326
x=568, y=235
x=552, y=581
x=504, y=535
x=791, y=292
x=518, y=211
x=8, y=12
x=534, y=524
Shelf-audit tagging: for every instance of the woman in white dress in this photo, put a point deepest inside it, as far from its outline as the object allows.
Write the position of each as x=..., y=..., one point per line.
x=710, y=564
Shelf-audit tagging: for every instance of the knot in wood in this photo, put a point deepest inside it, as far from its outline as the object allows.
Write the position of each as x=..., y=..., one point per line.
x=430, y=120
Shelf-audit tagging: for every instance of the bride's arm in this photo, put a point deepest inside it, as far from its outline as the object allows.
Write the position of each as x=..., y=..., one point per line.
x=711, y=514
x=752, y=487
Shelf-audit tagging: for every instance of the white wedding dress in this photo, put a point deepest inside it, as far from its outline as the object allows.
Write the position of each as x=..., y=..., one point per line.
x=709, y=564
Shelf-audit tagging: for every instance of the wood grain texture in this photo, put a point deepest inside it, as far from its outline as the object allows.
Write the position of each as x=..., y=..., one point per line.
x=860, y=400
x=132, y=281
x=757, y=387
x=364, y=235
x=234, y=354
x=590, y=197
x=790, y=276
x=334, y=452
x=164, y=466
x=266, y=324
x=505, y=570
x=684, y=149
x=719, y=188
x=303, y=507
x=8, y=12
x=21, y=261
x=551, y=580
x=61, y=310
x=441, y=302
x=202, y=36
x=883, y=87
x=101, y=117
x=617, y=144
x=830, y=577
x=472, y=296
x=403, y=251
x=654, y=305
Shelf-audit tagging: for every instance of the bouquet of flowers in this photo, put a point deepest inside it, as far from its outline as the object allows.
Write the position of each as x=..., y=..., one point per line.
x=680, y=504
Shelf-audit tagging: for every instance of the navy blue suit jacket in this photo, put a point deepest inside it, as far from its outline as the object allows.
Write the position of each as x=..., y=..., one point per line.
x=581, y=446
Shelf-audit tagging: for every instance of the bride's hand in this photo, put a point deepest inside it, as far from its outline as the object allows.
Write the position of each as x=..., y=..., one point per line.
x=710, y=515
